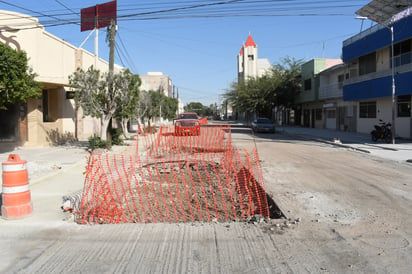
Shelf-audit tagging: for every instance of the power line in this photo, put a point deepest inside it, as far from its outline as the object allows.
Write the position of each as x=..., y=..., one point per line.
x=119, y=56
x=126, y=53
x=205, y=9
x=42, y=14
x=66, y=7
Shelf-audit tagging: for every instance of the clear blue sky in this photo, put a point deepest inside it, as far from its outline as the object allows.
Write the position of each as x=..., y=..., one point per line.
x=196, y=42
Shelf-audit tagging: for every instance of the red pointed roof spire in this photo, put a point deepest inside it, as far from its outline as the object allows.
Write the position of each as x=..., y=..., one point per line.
x=241, y=51
x=250, y=42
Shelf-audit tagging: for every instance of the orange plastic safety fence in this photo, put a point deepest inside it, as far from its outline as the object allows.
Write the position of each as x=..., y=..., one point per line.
x=178, y=188
x=165, y=141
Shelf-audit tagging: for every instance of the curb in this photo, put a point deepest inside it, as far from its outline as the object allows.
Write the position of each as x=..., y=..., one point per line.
x=324, y=141
x=342, y=145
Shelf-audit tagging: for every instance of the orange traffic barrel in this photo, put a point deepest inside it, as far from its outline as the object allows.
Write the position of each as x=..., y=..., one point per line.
x=16, y=197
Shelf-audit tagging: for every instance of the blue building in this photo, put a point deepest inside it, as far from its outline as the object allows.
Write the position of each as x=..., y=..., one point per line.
x=368, y=57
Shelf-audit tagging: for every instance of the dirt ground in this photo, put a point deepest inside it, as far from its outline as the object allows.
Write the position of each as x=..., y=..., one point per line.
x=353, y=208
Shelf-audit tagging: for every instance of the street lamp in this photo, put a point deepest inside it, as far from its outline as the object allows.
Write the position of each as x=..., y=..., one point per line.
x=393, y=72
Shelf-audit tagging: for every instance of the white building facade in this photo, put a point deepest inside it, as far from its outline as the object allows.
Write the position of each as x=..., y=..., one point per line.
x=248, y=63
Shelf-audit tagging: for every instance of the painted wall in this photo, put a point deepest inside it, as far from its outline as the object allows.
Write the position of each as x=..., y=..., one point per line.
x=384, y=112
x=53, y=60
x=310, y=70
x=154, y=82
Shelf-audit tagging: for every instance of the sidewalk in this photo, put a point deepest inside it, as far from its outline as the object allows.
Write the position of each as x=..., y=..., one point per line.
x=45, y=162
x=401, y=151
x=53, y=172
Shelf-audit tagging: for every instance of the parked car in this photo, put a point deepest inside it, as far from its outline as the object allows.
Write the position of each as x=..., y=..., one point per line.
x=187, y=124
x=263, y=125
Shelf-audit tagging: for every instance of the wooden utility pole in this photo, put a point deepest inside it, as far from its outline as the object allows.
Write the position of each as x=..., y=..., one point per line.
x=112, y=35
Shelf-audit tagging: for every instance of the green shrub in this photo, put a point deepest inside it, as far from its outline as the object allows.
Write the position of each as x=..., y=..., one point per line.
x=97, y=142
x=117, y=136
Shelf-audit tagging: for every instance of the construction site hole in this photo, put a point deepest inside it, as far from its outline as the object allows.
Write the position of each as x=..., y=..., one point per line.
x=177, y=179
x=172, y=190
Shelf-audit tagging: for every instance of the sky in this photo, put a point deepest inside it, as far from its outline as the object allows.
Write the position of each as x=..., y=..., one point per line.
x=196, y=42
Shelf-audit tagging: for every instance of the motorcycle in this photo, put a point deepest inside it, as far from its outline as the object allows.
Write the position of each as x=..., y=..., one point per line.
x=382, y=131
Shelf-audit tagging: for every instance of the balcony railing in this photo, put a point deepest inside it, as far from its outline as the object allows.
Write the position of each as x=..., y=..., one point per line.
x=362, y=34
x=331, y=91
x=403, y=59
x=399, y=69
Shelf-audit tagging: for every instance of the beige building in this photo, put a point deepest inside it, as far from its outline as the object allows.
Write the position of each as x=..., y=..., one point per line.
x=50, y=118
x=157, y=81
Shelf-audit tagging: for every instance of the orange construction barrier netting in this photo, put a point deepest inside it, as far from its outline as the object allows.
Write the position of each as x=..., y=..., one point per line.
x=179, y=187
x=165, y=141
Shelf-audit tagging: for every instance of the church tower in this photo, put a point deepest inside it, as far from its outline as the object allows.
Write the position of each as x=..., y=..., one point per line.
x=248, y=60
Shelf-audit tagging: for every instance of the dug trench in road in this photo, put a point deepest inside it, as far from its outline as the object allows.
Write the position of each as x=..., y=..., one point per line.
x=170, y=184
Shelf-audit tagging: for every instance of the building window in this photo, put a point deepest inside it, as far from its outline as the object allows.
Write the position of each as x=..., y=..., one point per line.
x=367, y=109
x=340, y=81
x=367, y=64
x=402, y=53
x=404, y=106
x=331, y=113
x=318, y=114
x=251, y=57
x=349, y=111
x=45, y=105
x=70, y=94
x=308, y=84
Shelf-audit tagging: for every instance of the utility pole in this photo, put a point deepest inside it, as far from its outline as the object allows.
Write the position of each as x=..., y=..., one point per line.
x=111, y=34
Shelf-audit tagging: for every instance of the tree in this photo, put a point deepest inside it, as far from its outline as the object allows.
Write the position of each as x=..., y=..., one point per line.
x=92, y=94
x=195, y=107
x=128, y=97
x=169, y=107
x=154, y=108
x=159, y=105
x=17, y=82
x=289, y=71
x=143, y=105
x=259, y=95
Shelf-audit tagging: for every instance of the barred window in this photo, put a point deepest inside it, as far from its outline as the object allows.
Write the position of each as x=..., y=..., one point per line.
x=404, y=106
x=308, y=84
x=331, y=113
x=367, y=109
x=367, y=64
x=318, y=114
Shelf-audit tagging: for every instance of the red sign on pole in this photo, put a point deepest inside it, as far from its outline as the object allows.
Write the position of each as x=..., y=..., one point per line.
x=98, y=16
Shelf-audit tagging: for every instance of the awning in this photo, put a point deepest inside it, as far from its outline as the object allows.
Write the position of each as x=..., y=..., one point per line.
x=383, y=10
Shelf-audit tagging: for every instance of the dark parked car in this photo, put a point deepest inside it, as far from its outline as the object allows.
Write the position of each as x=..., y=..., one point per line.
x=263, y=125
